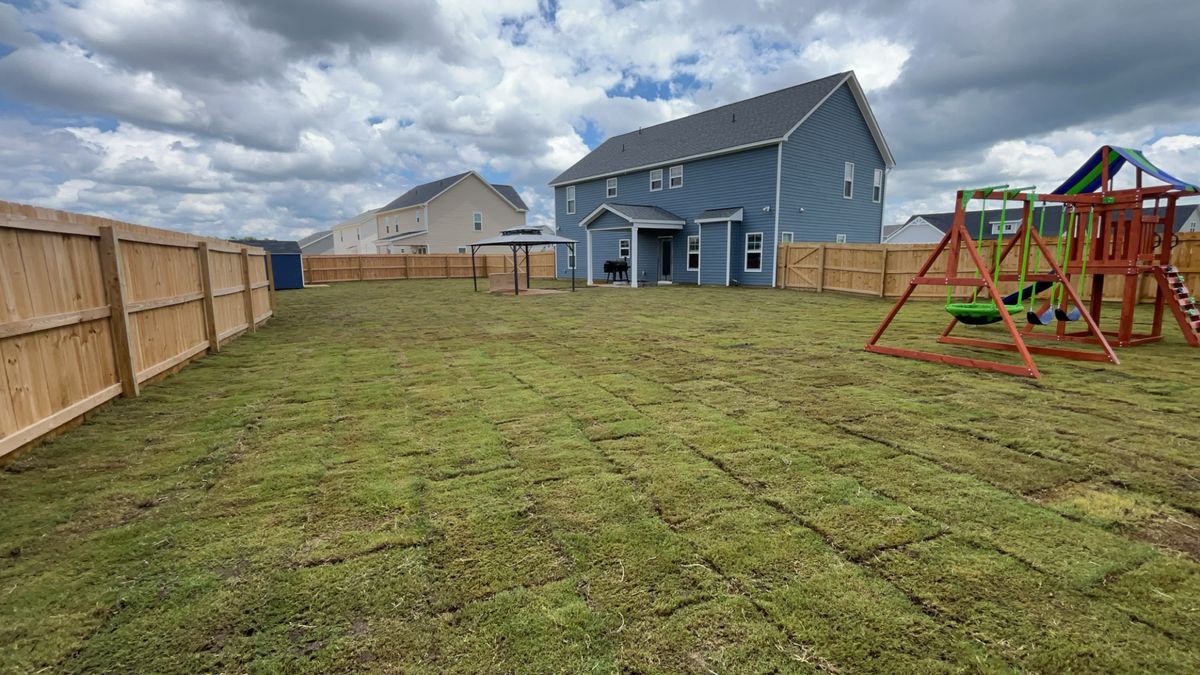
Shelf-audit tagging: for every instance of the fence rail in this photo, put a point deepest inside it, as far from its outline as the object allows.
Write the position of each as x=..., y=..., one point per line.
x=883, y=270
x=92, y=309
x=320, y=269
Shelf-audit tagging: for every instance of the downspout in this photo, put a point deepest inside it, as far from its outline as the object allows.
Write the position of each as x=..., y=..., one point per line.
x=775, y=240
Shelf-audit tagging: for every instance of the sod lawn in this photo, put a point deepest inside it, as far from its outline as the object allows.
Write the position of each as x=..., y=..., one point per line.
x=406, y=476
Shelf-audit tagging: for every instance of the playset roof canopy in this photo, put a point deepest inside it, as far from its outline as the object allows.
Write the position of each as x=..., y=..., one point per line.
x=1089, y=176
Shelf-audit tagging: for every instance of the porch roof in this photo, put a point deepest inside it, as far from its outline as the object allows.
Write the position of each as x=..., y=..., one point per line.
x=639, y=215
x=721, y=215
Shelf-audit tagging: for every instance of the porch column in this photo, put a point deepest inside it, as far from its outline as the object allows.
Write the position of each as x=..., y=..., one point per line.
x=728, y=248
x=633, y=267
x=589, y=258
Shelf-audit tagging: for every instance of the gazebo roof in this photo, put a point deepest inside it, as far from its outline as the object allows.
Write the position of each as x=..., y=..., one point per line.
x=523, y=236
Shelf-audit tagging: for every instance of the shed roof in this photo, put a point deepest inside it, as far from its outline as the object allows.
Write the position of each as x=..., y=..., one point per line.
x=760, y=120
x=273, y=246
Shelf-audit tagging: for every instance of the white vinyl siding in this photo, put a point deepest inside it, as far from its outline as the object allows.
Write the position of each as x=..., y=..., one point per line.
x=848, y=181
x=656, y=180
x=676, y=174
x=877, y=186
x=693, y=253
x=570, y=199
x=754, y=251
x=610, y=187
x=623, y=248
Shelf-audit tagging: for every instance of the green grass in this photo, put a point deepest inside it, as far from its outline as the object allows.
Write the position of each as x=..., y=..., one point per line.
x=411, y=477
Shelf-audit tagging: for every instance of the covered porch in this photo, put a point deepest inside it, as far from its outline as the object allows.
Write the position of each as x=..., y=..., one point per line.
x=637, y=220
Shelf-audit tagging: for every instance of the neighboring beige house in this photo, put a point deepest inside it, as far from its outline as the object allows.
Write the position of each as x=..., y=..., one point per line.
x=356, y=235
x=446, y=215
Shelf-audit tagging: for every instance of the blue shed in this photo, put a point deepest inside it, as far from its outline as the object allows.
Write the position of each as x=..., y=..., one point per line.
x=285, y=262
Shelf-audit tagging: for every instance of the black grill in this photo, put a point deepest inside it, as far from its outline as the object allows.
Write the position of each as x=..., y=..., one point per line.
x=616, y=270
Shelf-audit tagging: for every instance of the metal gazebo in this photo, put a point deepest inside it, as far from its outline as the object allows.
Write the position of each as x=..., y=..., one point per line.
x=521, y=238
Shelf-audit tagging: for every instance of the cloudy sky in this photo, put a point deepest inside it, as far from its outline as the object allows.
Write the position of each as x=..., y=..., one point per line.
x=281, y=117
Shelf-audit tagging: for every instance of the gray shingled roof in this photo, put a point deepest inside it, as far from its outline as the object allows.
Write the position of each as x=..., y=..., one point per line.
x=315, y=236
x=423, y=193
x=645, y=213
x=754, y=120
x=719, y=214
x=943, y=221
x=273, y=245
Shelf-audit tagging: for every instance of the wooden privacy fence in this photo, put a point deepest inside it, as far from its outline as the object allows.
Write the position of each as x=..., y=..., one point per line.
x=884, y=270
x=92, y=308
x=319, y=269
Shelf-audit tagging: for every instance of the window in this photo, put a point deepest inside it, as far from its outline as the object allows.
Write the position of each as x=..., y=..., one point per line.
x=623, y=248
x=462, y=249
x=571, y=257
x=656, y=180
x=787, y=237
x=1009, y=226
x=341, y=236
x=420, y=250
x=754, y=251
x=570, y=199
x=477, y=221
x=841, y=239
x=693, y=252
x=877, y=186
x=676, y=173
x=848, y=181
x=418, y=218
x=610, y=187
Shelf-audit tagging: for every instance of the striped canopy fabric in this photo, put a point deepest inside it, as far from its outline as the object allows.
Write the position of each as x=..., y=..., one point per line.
x=1088, y=177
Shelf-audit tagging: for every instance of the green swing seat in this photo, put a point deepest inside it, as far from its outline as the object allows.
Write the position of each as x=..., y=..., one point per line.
x=980, y=313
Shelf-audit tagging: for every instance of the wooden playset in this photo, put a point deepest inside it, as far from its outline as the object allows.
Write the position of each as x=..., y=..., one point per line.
x=1103, y=231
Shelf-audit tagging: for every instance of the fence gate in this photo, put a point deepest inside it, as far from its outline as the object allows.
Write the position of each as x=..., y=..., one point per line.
x=800, y=266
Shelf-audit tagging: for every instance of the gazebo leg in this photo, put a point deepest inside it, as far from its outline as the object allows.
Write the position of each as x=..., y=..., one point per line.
x=474, y=280
x=526, y=266
x=516, y=273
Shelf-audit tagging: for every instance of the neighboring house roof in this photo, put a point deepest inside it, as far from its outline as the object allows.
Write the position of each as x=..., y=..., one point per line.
x=273, y=246
x=636, y=213
x=314, y=238
x=943, y=221
x=762, y=120
x=357, y=221
x=403, y=235
x=889, y=230
x=720, y=215
x=427, y=192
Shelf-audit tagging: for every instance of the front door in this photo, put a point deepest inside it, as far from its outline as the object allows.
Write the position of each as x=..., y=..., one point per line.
x=664, y=259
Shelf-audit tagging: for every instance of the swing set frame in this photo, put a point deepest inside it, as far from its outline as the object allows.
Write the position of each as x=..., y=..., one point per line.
x=1128, y=234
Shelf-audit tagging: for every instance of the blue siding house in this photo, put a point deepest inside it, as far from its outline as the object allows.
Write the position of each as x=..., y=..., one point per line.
x=706, y=199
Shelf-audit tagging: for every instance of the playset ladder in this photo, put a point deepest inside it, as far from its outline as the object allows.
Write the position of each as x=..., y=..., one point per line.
x=1183, y=304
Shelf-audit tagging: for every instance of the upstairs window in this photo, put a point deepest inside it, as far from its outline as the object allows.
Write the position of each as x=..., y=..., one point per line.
x=676, y=176
x=848, y=181
x=656, y=180
x=477, y=221
x=1008, y=226
x=610, y=187
x=623, y=248
x=877, y=186
x=754, y=251
x=693, y=252
x=570, y=199
x=418, y=217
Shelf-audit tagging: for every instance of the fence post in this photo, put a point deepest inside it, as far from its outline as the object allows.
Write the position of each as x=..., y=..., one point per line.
x=248, y=293
x=358, y=261
x=408, y=266
x=821, y=269
x=114, y=287
x=883, y=271
x=269, y=261
x=210, y=312
x=446, y=266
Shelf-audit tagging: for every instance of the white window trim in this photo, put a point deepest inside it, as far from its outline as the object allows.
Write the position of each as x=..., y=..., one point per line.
x=610, y=188
x=659, y=179
x=477, y=221
x=1010, y=226
x=570, y=191
x=839, y=239
x=688, y=252
x=848, y=177
x=462, y=249
x=787, y=237
x=671, y=177
x=877, y=186
x=746, y=253
x=571, y=258
x=623, y=245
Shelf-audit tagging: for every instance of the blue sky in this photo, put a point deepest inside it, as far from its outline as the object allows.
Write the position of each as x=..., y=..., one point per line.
x=281, y=117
